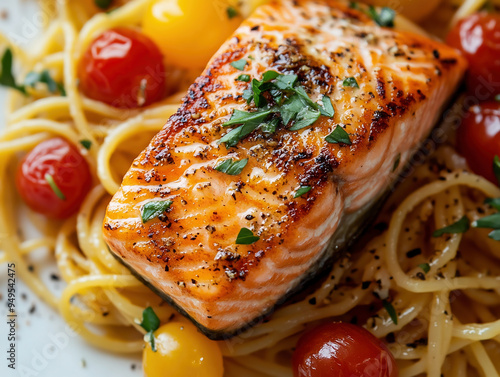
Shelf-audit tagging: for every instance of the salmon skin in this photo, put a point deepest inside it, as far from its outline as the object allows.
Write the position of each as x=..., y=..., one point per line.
x=218, y=227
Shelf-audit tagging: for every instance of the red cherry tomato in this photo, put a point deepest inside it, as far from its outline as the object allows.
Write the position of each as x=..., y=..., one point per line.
x=56, y=160
x=123, y=68
x=478, y=138
x=342, y=350
x=478, y=37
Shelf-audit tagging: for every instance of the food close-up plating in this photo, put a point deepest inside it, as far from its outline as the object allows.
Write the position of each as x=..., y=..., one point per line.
x=281, y=188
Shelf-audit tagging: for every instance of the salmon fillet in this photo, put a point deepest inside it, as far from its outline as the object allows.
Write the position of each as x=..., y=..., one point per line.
x=188, y=253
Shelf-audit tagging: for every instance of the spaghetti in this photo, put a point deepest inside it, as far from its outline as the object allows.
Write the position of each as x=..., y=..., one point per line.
x=446, y=311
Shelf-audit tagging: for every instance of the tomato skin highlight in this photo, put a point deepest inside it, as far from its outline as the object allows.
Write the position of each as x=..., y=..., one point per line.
x=69, y=170
x=478, y=38
x=123, y=68
x=342, y=350
x=478, y=138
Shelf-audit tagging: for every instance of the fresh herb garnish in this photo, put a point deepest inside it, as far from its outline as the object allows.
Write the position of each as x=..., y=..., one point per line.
x=492, y=221
x=495, y=203
x=497, y=98
x=87, y=144
x=327, y=108
x=301, y=191
x=44, y=77
x=350, y=81
x=425, y=267
x=291, y=105
x=353, y=5
x=103, y=4
x=496, y=168
x=392, y=312
x=54, y=187
x=6, y=77
x=385, y=18
x=396, y=162
x=153, y=209
x=231, y=167
x=231, y=12
x=239, y=64
x=150, y=323
x=244, y=78
x=460, y=226
x=246, y=237
x=495, y=235
x=338, y=135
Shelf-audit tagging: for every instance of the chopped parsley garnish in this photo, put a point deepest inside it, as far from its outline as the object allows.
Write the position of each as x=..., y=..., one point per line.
x=44, y=77
x=153, y=209
x=396, y=162
x=246, y=237
x=239, y=64
x=392, y=312
x=497, y=98
x=231, y=12
x=150, y=323
x=492, y=221
x=301, y=191
x=292, y=106
x=495, y=235
x=244, y=78
x=461, y=226
x=338, y=135
x=231, y=167
x=327, y=109
x=54, y=187
x=495, y=203
x=87, y=144
x=103, y=4
x=385, y=18
x=496, y=168
x=425, y=267
x=353, y=5
x=350, y=81
x=6, y=77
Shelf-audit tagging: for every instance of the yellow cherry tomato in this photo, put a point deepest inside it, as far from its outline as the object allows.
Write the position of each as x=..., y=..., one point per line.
x=189, y=32
x=182, y=351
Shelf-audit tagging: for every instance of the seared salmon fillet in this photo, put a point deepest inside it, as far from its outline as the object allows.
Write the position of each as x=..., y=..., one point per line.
x=300, y=193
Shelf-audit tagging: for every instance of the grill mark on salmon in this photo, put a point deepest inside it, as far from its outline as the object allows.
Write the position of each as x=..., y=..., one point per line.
x=189, y=255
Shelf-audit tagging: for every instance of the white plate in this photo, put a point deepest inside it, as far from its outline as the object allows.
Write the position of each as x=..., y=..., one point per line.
x=44, y=346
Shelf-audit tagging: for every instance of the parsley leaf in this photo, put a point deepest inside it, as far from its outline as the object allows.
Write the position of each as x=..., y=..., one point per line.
x=392, y=312
x=54, y=187
x=44, y=77
x=301, y=191
x=338, y=135
x=150, y=323
x=6, y=77
x=425, y=267
x=497, y=98
x=87, y=144
x=350, y=81
x=495, y=203
x=460, y=226
x=153, y=209
x=496, y=168
x=231, y=12
x=492, y=221
x=270, y=127
x=244, y=78
x=246, y=237
x=327, y=108
x=495, y=235
x=250, y=122
x=239, y=64
x=305, y=118
x=232, y=168
x=385, y=18
x=103, y=4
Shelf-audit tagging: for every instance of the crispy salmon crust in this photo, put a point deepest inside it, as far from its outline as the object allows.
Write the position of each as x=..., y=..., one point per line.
x=189, y=254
